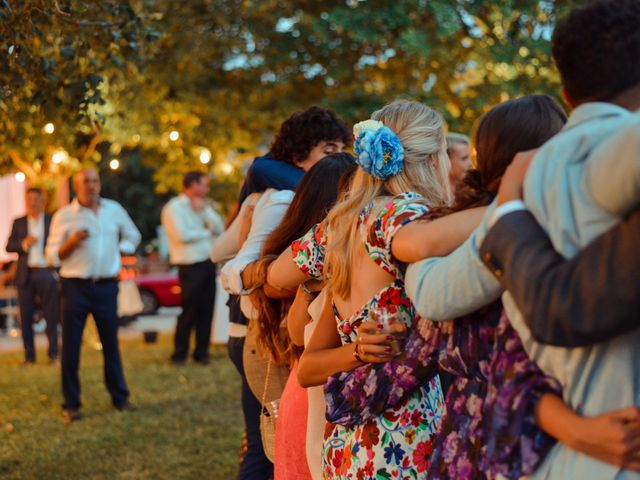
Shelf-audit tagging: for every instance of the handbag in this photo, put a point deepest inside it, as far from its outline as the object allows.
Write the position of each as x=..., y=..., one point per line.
x=267, y=379
x=268, y=419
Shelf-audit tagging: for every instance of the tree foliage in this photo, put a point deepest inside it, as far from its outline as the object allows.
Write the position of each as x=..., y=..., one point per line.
x=225, y=73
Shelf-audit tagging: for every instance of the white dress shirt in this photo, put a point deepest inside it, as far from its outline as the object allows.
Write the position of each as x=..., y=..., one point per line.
x=266, y=217
x=111, y=231
x=190, y=232
x=35, y=228
x=227, y=245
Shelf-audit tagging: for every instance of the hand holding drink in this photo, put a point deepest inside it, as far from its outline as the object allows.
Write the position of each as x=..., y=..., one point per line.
x=379, y=340
x=390, y=329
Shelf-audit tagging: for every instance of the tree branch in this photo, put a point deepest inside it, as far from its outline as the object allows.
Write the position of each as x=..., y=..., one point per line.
x=90, y=148
x=59, y=10
x=23, y=165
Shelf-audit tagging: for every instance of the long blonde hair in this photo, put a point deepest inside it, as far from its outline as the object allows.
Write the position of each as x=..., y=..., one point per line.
x=425, y=171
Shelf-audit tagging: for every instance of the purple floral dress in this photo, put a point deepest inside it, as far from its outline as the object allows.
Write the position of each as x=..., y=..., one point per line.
x=396, y=442
x=489, y=429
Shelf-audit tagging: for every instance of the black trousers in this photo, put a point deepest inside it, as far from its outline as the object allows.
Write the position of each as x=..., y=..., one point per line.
x=198, y=285
x=41, y=284
x=79, y=298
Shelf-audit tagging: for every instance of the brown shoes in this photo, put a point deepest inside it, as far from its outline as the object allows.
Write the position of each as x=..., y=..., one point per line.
x=126, y=407
x=70, y=415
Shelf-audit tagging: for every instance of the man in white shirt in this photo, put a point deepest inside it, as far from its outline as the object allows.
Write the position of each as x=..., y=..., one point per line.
x=191, y=227
x=34, y=277
x=459, y=155
x=86, y=239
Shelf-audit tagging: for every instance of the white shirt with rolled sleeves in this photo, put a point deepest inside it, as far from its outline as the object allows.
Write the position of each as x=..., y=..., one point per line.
x=579, y=184
x=268, y=213
x=190, y=232
x=111, y=232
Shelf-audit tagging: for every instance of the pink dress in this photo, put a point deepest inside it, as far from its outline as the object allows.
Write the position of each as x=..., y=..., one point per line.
x=290, y=462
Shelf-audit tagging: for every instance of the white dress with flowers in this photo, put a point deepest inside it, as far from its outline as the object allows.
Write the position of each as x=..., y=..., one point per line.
x=396, y=444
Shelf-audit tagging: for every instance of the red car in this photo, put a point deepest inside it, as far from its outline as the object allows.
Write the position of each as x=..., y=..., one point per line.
x=158, y=290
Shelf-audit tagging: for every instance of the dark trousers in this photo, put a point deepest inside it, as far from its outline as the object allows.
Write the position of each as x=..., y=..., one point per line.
x=79, y=298
x=41, y=284
x=198, y=285
x=254, y=465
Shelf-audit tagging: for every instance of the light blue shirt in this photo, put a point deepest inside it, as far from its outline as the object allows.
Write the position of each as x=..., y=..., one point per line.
x=578, y=185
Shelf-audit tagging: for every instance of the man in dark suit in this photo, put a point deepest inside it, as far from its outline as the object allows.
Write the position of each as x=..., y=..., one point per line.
x=589, y=298
x=35, y=280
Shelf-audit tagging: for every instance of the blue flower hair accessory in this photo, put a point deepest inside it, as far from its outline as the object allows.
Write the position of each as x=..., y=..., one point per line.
x=378, y=149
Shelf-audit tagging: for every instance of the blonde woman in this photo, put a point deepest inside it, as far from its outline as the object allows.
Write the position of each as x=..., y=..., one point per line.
x=360, y=249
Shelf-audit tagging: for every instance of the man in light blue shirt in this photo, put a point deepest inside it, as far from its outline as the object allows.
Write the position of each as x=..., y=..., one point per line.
x=579, y=184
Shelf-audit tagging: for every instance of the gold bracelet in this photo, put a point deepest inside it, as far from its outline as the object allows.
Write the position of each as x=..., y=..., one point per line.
x=356, y=354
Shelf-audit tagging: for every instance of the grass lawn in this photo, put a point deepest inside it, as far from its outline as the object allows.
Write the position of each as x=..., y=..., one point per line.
x=188, y=423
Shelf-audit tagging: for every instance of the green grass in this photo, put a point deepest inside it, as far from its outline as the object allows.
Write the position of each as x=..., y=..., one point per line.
x=188, y=423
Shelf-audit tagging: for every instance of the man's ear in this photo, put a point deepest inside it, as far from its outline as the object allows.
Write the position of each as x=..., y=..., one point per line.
x=567, y=98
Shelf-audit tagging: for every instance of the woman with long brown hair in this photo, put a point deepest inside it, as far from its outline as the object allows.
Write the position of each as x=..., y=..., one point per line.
x=316, y=194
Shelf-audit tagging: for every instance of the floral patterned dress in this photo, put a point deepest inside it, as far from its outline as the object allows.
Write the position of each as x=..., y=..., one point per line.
x=397, y=443
x=489, y=429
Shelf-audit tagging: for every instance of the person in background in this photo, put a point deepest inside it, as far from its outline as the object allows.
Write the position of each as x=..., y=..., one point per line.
x=86, y=239
x=35, y=279
x=191, y=227
x=460, y=156
x=303, y=139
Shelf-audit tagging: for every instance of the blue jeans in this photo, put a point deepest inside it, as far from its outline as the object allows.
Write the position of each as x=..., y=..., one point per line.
x=79, y=298
x=254, y=465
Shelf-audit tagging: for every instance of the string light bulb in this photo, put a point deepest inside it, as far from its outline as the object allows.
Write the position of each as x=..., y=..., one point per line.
x=59, y=156
x=49, y=128
x=114, y=164
x=226, y=168
x=20, y=177
x=205, y=156
x=174, y=135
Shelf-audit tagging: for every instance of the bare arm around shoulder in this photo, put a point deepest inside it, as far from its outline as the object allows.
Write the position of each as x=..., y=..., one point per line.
x=284, y=274
x=437, y=238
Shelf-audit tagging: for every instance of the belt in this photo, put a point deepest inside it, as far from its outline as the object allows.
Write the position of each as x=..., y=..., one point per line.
x=94, y=281
x=38, y=269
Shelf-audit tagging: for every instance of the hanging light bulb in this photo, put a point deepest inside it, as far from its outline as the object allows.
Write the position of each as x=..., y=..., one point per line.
x=49, y=128
x=114, y=164
x=20, y=177
x=174, y=135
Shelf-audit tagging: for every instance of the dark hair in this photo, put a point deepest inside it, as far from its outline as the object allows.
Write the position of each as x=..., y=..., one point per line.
x=304, y=130
x=315, y=196
x=34, y=190
x=597, y=50
x=511, y=127
x=192, y=177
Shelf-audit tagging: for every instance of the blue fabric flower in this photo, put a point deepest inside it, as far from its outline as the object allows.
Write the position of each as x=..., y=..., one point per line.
x=379, y=153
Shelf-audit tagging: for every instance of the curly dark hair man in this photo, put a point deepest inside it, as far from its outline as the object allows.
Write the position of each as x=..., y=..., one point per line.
x=597, y=50
x=303, y=132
